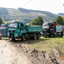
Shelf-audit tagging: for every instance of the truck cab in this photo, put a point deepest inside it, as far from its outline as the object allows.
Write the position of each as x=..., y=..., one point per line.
x=3, y=29
x=51, y=29
x=16, y=29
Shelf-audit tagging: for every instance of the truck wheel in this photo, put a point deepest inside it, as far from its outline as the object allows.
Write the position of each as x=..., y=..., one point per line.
x=0, y=38
x=45, y=36
x=52, y=35
x=13, y=39
x=35, y=36
x=61, y=34
x=23, y=37
x=38, y=36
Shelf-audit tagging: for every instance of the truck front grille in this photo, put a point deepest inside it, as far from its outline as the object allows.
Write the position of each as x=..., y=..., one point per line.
x=11, y=30
x=44, y=33
x=11, y=36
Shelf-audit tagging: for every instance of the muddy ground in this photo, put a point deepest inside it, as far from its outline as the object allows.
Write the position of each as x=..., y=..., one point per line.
x=17, y=52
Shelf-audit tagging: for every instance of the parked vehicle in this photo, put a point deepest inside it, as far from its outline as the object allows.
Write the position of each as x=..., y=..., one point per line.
x=63, y=29
x=19, y=29
x=0, y=36
x=3, y=29
x=50, y=29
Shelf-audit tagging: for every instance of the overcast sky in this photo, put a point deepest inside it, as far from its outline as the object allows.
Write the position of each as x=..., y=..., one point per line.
x=54, y=6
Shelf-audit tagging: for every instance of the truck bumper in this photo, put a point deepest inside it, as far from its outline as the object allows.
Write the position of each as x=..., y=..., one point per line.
x=13, y=35
x=45, y=33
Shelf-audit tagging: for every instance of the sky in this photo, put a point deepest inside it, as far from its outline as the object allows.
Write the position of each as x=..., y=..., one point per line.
x=54, y=6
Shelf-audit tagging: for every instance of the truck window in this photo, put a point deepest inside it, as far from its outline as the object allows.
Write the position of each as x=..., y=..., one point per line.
x=21, y=24
x=50, y=25
x=13, y=25
x=46, y=26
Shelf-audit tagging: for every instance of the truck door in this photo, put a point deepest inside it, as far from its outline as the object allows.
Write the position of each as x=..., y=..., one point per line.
x=21, y=26
x=54, y=26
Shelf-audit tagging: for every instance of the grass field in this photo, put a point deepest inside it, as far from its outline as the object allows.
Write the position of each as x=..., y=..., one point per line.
x=47, y=44
x=5, y=38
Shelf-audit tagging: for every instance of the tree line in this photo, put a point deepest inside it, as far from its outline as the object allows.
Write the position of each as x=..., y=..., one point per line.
x=1, y=21
x=59, y=20
x=39, y=21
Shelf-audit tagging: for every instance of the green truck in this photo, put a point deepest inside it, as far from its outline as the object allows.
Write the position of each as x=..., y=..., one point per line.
x=19, y=29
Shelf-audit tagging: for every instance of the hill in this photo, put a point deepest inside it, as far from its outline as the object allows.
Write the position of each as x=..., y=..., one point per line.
x=25, y=14
x=62, y=14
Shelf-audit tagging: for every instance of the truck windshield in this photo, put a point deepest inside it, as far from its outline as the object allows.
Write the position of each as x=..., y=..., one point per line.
x=46, y=26
x=2, y=27
x=13, y=25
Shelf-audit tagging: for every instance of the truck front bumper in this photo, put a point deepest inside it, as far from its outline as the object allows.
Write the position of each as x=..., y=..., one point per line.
x=45, y=33
x=11, y=36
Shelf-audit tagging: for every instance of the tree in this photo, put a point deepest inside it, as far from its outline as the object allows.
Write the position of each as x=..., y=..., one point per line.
x=3, y=21
x=37, y=21
x=63, y=20
x=59, y=20
x=53, y=21
x=0, y=21
x=63, y=4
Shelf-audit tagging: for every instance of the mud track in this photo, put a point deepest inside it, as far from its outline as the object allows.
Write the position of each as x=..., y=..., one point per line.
x=10, y=54
x=17, y=52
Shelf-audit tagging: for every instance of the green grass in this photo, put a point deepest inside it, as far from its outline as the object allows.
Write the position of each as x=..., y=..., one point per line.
x=5, y=38
x=47, y=44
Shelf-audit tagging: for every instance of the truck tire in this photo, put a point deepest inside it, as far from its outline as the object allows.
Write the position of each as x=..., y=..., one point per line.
x=23, y=37
x=61, y=34
x=13, y=39
x=52, y=35
x=38, y=36
x=45, y=34
x=35, y=36
x=0, y=38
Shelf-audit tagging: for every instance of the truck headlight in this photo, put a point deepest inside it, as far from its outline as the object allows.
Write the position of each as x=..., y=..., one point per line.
x=16, y=35
x=7, y=34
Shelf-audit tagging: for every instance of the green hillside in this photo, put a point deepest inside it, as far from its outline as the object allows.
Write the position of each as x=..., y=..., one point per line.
x=47, y=16
x=62, y=14
x=25, y=15
x=4, y=14
x=3, y=11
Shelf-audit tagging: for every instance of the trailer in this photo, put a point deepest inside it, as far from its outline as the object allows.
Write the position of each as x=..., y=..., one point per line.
x=50, y=29
x=19, y=29
x=63, y=29
x=59, y=30
x=3, y=29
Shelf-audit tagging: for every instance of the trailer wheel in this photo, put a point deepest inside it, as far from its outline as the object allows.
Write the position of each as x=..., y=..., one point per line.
x=35, y=36
x=38, y=36
x=23, y=37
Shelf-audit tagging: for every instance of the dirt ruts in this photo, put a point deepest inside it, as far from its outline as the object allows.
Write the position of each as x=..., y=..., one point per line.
x=42, y=56
x=19, y=53
x=10, y=54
